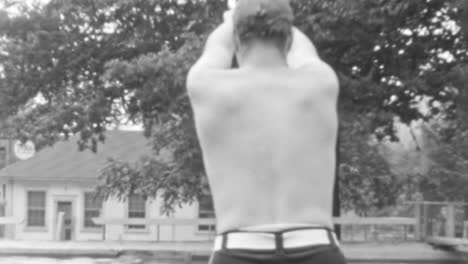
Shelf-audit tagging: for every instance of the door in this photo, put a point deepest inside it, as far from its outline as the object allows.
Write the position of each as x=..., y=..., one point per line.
x=66, y=232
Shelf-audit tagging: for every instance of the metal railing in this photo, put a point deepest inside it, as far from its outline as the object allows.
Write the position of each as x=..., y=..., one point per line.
x=465, y=229
x=357, y=224
x=440, y=219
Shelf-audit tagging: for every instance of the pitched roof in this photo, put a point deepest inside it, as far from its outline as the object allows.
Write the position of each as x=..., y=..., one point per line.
x=63, y=161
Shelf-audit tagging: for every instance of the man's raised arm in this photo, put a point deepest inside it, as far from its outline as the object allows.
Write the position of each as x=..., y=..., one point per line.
x=303, y=55
x=302, y=52
x=217, y=55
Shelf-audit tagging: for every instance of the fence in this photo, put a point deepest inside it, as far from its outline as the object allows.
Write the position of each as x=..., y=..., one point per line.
x=441, y=219
x=158, y=222
x=377, y=229
x=398, y=227
x=417, y=221
x=421, y=220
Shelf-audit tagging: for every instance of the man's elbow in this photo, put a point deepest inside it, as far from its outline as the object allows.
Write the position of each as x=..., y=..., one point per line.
x=334, y=84
x=190, y=78
x=193, y=76
x=329, y=78
x=193, y=82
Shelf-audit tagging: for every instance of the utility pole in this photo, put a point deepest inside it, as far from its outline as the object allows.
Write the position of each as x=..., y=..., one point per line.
x=336, y=189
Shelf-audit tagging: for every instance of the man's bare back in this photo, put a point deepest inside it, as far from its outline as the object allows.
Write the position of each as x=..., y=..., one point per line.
x=268, y=140
x=268, y=134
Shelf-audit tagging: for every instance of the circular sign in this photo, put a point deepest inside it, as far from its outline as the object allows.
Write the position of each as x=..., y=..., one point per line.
x=24, y=151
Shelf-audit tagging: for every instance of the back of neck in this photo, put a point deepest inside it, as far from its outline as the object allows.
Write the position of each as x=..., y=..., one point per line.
x=263, y=56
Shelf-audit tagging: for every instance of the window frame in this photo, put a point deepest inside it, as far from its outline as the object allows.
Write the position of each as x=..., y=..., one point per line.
x=29, y=227
x=131, y=228
x=85, y=209
x=3, y=156
x=211, y=228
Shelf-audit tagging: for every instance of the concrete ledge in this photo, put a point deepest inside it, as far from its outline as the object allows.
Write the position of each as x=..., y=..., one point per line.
x=399, y=252
x=458, y=245
x=56, y=250
x=60, y=254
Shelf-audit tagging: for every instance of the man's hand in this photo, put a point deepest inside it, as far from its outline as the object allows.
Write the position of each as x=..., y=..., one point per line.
x=232, y=4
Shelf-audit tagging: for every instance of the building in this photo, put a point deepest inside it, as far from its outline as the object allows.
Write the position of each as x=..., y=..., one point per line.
x=50, y=196
x=7, y=157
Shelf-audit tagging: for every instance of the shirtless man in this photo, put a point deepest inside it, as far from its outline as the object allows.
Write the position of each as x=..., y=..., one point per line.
x=268, y=133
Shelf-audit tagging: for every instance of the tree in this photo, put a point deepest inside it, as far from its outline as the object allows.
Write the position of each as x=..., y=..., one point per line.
x=463, y=6
x=96, y=62
x=447, y=134
x=447, y=178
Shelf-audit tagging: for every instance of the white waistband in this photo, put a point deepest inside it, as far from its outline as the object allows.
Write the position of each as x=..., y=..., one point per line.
x=266, y=241
x=277, y=227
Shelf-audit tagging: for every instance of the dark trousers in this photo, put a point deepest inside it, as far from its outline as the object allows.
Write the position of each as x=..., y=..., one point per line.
x=313, y=255
x=320, y=254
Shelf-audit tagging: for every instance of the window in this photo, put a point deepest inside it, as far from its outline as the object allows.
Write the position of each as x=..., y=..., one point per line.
x=3, y=157
x=92, y=209
x=206, y=210
x=2, y=210
x=2, y=227
x=36, y=208
x=136, y=209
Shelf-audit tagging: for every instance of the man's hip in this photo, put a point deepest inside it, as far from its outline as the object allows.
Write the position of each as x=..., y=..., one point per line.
x=307, y=245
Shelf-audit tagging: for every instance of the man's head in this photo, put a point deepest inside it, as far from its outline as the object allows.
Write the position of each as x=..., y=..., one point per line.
x=264, y=22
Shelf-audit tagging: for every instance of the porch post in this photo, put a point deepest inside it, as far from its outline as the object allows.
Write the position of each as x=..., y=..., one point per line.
x=450, y=226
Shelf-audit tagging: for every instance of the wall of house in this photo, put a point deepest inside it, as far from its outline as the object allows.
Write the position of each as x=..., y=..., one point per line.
x=54, y=192
x=112, y=208
x=116, y=209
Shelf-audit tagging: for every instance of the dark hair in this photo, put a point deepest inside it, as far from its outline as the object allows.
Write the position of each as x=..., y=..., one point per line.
x=263, y=26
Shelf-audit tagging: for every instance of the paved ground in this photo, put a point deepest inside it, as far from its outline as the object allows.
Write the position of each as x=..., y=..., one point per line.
x=42, y=260
x=37, y=260
x=98, y=248
x=173, y=252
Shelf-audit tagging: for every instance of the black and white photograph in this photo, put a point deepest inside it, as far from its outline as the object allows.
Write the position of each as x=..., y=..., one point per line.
x=233, y=131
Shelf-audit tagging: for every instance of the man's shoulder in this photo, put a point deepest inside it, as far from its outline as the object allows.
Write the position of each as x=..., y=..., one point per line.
x=206, y=77
x=210, y=82
x=206, y=83
x=249, y=78
x=320, y=74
